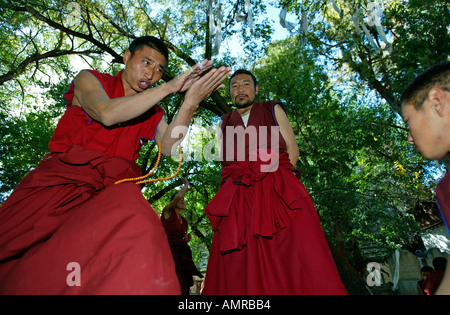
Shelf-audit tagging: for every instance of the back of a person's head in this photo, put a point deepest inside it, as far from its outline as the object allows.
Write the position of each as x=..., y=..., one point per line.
x=427, y=269
x=439, y=263
x=437, y=76
x=152, y=42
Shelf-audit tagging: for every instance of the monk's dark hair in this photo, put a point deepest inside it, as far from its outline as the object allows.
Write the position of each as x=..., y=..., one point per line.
x=151, y=42
x=437, y=76
x=243, y=71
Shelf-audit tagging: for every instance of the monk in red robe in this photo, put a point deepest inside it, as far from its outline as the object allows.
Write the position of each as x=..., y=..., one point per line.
x=176, y=227
x=66, y=228
x=426, y=110
x=267, y=235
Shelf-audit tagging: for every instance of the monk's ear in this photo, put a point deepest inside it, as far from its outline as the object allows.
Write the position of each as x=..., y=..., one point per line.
x=256, y=89
x=438, y=101
x=126, y=56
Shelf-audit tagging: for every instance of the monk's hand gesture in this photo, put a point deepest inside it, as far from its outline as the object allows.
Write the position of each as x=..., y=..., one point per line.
x=206, y=84
x=183, y=82
x=185, y=182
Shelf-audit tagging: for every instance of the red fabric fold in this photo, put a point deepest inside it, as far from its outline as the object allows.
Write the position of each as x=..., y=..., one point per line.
x=276, y=201
x=69, y=210
x=267, y=238
x=443, y=199
x=267, y=235
x=60, y=183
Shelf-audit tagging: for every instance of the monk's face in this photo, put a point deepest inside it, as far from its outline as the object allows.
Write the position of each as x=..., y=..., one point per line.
x=243, y=90
x=142, y=69
x=428, y=129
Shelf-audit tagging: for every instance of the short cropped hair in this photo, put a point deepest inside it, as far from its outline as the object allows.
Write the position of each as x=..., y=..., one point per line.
x=437, y=76
x=427, y=269
x=151, y=42
x=243, y=71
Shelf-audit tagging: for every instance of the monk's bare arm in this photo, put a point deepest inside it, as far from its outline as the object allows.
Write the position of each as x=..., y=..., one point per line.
x=171, y=135
x=288, y=134
x=90, y=95
x=167, y=211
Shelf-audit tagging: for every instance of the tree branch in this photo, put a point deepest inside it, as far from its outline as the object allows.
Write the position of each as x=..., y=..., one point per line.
x=20, y=68
x=89, y=38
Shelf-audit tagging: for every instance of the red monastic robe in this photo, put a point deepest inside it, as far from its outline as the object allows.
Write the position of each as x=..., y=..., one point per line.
x=182, y=255
x=267, y=235
x=67, y=229
x=443, y=199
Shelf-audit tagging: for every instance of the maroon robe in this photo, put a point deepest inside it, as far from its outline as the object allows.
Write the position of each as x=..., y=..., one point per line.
x=443, y=199
x=182, y=255
x=67, y=229
x=267, y=235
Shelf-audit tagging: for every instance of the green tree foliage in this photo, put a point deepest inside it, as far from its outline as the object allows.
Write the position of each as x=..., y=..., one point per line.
x=361, y=173
x=40, y=39
x=382, y=44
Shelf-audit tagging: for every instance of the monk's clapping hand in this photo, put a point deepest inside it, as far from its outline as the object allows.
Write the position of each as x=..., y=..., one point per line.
x=183, y=82
x=206, y=84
